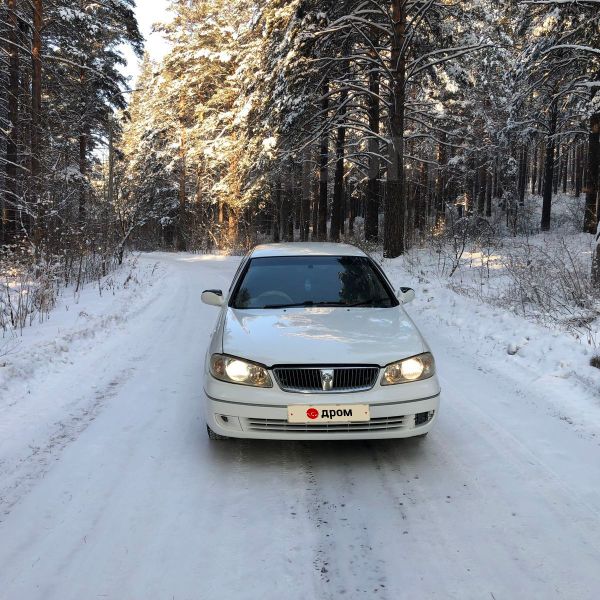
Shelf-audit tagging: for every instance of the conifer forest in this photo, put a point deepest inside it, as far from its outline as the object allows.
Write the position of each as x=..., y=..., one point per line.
x=281, y=120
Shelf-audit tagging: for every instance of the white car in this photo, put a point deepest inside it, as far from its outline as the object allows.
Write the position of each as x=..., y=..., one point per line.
x=312, y=343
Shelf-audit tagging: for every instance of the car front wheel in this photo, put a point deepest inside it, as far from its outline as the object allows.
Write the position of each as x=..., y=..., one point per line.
x=215, y=436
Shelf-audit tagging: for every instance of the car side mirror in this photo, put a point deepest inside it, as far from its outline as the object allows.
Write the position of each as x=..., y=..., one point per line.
x=406, y=295
x=213, y=297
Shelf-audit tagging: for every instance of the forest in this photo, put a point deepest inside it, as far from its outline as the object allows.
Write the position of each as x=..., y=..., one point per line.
x=404, y=126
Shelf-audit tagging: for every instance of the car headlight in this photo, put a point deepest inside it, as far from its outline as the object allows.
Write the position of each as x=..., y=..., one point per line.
x=416, y=368
x=235, y=370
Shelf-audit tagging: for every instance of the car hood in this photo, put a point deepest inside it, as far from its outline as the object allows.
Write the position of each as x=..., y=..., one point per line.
x=321, y=336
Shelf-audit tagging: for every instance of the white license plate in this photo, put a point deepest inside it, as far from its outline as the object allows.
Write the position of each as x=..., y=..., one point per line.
x=329, y=413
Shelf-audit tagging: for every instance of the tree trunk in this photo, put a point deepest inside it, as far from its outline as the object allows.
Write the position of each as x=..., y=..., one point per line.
x=287, y=214
x=305, y=209
x=470, y=182
x=549, y=169
x=337, y=210
x=488, y=193
x=481, y=188
x=556, y=169
x=496, y=184
x=395, y=202
x=284, y=211
x=373, y=191
x=181, y=243
x=522, y=175
x=27, y=217
x=579, y=171
x=534, y=169
x=36, y=109
x=573, y=169
x=232, y=225
x=296, y=222
x=421, y=198
x=110, y=196
x=596, y=260
x=565, y=168
x=9, y=212
x=337, y=218
x=315, y=184
x=83, y=139
x=440, y=182
x=592, y=172
x=409, y=223
x=277, y=211
x=352, y=208
x=324, y=168
x=540, y=183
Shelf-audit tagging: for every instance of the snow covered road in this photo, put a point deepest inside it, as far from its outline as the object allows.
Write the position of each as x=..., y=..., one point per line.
x=109, y=487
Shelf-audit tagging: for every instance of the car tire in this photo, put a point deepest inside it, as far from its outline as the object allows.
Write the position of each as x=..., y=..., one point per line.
x=215, y=436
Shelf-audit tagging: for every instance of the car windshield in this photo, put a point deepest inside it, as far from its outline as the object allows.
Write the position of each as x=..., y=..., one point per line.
x=285, y=282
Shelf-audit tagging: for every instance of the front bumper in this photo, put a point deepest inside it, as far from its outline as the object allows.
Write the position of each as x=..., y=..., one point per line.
x=266, y=421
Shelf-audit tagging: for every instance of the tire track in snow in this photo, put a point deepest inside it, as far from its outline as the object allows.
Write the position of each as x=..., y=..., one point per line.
x=20, y=477
x=347, y=559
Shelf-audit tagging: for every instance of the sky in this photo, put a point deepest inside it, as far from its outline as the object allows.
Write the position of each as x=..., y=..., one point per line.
x=148, y=12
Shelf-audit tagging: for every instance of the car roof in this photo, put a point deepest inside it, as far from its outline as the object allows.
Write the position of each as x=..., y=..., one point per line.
x=305, y=249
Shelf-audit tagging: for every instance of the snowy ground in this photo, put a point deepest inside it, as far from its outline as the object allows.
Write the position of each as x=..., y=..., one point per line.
x=109, y=487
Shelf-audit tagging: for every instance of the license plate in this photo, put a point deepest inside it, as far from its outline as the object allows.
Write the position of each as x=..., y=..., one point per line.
x=329, y=413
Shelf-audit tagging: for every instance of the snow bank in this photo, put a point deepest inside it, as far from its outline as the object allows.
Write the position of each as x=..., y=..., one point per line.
x=77, y=317
x=548, y=360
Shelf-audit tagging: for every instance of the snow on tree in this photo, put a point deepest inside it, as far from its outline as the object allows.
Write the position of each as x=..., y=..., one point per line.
x=294, y=119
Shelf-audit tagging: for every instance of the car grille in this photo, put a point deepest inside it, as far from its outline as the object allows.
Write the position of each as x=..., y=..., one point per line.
x=379, y=424
x=308, y=379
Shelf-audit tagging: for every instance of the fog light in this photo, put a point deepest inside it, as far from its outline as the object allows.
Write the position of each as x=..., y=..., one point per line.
x=228, y=422
x=422, y=418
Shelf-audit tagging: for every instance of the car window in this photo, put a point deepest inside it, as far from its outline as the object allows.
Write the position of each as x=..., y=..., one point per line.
x=280, y=282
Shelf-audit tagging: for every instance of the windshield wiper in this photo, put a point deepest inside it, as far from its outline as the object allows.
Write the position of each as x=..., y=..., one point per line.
x=297, y=304
x=308, y=303
x=369, y=302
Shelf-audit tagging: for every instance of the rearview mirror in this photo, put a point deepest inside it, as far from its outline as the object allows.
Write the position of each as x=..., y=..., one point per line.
x=406, y=295
x=213, y=297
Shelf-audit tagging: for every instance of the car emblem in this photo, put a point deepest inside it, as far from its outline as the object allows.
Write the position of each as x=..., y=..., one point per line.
x=327, y=379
